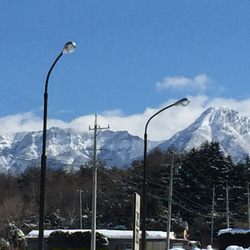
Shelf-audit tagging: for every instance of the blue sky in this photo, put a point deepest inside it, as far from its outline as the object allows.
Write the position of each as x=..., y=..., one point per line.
x=132, y=58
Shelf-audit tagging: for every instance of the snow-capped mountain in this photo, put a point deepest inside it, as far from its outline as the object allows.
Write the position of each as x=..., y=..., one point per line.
x=68, y=149
x=215, y=124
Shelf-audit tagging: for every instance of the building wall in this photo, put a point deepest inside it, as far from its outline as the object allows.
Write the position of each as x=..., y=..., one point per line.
x=114, y=244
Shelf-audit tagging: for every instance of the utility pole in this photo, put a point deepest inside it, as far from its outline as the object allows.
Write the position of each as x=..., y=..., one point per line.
x=170, y=202
x=80, y=211
x=248, y=204
x=94, y=187
x=227, y=205
x=212, y=219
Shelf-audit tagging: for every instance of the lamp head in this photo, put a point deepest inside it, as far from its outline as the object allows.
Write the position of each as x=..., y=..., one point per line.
x=184, y=102
x=69, y=47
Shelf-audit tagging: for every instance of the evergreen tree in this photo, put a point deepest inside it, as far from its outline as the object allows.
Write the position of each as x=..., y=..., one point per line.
x=202, y=169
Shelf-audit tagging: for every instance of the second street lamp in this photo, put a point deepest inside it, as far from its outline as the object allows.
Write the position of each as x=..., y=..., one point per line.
x=68, y=48
x=183, y=102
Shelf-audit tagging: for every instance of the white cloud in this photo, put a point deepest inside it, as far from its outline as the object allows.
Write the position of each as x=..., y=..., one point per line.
x=199, y=82
x=116, y=112
x=20, y=122
x=161, y=127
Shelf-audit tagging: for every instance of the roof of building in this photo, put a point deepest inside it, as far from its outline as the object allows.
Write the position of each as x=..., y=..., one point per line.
x=109, y=233
x=234, y=231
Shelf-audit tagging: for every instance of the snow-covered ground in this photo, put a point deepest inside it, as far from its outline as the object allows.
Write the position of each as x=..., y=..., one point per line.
x=210, y=248
x=236, y=248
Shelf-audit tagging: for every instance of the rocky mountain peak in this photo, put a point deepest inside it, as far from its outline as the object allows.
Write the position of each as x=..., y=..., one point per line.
x=66, y=147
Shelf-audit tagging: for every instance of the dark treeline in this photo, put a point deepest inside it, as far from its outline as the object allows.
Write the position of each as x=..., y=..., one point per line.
x=196, y=174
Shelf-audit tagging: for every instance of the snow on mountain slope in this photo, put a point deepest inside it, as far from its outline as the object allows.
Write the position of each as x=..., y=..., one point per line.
x=215, y=124
x=121, y=147
x=67, y=148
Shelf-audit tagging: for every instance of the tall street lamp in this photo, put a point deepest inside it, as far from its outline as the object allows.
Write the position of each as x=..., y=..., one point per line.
x=183, y=102
x=68, y=48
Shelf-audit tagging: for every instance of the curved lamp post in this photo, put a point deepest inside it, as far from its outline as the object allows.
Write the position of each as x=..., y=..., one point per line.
x=183, y=102
x=68, y=48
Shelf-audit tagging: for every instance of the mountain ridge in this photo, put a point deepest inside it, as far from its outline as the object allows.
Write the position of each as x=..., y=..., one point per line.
x=67, y=148
x=222, y=125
